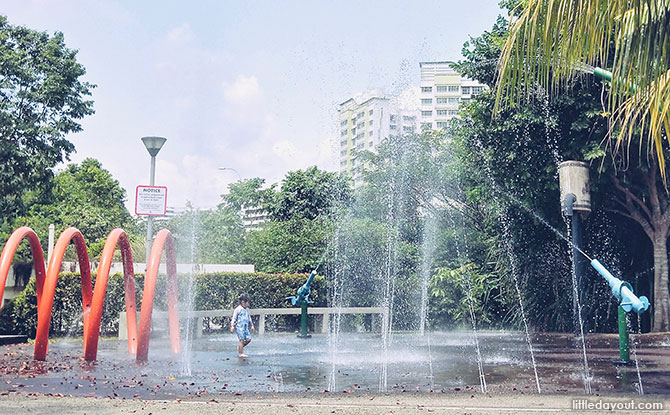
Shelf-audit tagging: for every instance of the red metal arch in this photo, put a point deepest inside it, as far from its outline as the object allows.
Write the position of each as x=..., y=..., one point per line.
x=45, y=305
x=92, y=301
x=116, y=237
x=8, y=254
x=163, y=241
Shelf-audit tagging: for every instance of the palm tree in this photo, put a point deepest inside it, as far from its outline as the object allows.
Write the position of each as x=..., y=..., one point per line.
x=551, y=42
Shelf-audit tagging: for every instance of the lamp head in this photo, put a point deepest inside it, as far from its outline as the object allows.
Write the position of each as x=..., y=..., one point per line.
x=153, y=144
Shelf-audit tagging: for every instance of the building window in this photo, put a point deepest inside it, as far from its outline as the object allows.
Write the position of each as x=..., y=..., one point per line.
x=426, y=89
x=426, y=101
x=442, y=88
x=392, y=127
x=343, y=163
x=441, y=112
x=453, y=112
x=426, y=113
x=465, y=90
x=426, y=125
x=392, y=117
x=370, y=123
x=442, y=100
x=344, y=123
x=343, y=153
x=343, y=133
x=453, y=100
x=442, y=124
x=370, y=144
x=343, y=143
x=408, y=118
x=370, y=112
x=407, y=129
x=360, y=114
x=370, y=133
x=465, y=100
x=454, y=88
x=476, y=90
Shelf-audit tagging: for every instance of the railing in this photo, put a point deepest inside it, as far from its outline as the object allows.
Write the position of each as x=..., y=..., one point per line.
x=325, y=312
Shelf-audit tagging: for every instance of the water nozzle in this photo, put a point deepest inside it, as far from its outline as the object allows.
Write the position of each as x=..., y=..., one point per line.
x=568, y=204
x=622, y=291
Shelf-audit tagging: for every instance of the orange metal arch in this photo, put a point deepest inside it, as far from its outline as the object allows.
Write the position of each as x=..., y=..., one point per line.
x=92, y=301
x=163, y=241
x=116, y=237
x=45, y=304
x=8, y=254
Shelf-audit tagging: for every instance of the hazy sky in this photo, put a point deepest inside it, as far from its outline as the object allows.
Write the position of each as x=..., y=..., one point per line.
x=250, y=85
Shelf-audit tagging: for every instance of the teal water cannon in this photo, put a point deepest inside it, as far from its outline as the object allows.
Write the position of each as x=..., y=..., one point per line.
x=302, y=300
x=622, y=290
x=303, y=292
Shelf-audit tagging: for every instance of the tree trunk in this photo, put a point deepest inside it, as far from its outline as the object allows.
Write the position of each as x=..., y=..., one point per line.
x=661, y=293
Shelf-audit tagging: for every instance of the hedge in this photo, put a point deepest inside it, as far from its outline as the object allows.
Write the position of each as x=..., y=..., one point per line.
x=211, y=291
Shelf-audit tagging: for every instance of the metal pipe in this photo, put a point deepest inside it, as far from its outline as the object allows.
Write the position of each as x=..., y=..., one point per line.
x=150, y=219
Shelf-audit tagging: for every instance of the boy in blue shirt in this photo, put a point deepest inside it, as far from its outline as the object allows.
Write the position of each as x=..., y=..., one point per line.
x=241, y=324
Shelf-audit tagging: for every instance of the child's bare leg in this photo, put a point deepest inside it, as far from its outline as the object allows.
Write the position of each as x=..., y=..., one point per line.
x=240, y=347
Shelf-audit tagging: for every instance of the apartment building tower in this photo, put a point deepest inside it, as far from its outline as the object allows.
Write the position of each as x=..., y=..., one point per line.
x=442, y=90
x=364, y=123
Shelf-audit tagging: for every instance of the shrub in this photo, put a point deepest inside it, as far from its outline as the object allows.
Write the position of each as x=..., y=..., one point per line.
x=211, y=291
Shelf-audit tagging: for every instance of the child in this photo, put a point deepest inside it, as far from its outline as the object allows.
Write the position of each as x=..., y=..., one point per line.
x=241, y=323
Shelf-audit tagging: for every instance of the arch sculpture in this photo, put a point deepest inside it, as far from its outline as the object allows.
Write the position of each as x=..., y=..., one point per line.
x=93, y=299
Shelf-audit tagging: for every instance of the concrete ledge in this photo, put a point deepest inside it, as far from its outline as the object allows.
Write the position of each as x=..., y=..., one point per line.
x=199, y=315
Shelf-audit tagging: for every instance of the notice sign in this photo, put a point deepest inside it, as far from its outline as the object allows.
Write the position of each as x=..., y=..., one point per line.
x=150, y=200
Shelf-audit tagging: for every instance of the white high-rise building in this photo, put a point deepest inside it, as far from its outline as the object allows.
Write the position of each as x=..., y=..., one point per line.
x=364, y=122
x=442, y=90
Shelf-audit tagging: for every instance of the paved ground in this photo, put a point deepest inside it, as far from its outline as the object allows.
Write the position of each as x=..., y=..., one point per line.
x=363, y=404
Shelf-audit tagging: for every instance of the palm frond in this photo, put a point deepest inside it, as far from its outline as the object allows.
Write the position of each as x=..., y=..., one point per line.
x=553, y=40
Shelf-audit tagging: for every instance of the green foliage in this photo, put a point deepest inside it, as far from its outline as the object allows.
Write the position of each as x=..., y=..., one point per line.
x=246, y=193
x=42, y=100
x=294, y=245
x=309, y=194
x=210, y=237
x=87, y=197
x=454, y=291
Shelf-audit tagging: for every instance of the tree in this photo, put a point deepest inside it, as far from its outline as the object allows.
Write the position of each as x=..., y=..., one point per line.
x=41, y=100
x=309, y=194
x=508, y=174
x=551, y=41
x=246, y=193
x=85, y=196
x=208, y=236
x=291, y=246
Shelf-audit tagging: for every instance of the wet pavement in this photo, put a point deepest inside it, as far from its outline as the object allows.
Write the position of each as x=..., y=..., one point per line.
x=282, y=363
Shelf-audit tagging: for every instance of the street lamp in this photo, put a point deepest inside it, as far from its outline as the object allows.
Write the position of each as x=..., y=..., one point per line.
x=153, y=145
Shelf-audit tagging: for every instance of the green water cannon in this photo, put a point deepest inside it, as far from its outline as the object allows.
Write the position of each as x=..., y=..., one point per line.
x=302, y=300
x=603, y=74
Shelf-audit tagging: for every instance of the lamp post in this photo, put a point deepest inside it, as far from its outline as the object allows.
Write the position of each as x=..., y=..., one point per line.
x=153, y=145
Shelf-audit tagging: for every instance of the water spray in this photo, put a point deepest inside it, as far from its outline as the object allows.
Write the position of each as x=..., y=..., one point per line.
x=575, y=197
